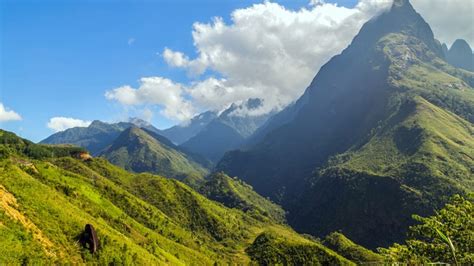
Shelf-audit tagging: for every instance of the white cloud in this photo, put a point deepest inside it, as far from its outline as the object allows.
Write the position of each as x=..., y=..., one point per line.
x=175, y=59
x=450, y=20
x=62, y=123
x=157, y=91
x=8, y=115
x=270, y=52
x=147, y=115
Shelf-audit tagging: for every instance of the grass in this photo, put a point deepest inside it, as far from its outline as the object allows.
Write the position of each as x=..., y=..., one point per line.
x=139, y=218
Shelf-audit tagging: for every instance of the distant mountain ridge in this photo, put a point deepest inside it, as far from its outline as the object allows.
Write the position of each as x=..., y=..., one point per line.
x=181, y=133
x=97, y=136
x=228, y=131
x=384, y=130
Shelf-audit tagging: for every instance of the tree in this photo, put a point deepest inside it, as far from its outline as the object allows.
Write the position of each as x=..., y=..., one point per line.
x=446, y=237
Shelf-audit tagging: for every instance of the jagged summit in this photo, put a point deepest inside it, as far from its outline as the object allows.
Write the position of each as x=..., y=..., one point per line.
x=400, y=18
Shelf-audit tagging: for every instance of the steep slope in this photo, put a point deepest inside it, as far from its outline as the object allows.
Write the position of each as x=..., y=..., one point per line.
x=181, y=133
x=345, y=247
x=460, y=55
x=97, y=136
x=228, y=131
x=410, y=164
x=144, y=219
x=276, y=248
x=142, y=151
x=377, y=87
x=234, y=193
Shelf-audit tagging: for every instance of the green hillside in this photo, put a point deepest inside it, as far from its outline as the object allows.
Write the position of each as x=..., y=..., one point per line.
x=144, y=219
x=235, y=193
x=140, y=151
x=345, y=247
x=278, y=248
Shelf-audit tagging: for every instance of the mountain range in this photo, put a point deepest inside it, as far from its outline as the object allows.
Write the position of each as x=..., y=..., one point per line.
x=383, y=131
x=208, y=135
x=227, y=131
x=97, y=136
x=136, y=146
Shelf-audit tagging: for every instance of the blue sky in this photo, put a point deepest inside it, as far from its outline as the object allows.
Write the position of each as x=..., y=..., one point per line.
x=59, y=57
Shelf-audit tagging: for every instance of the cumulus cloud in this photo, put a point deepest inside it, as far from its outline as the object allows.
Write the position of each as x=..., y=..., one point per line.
x=62, y=123
x=8, y=115
x=157, y=91
x=270, y=52
x=450, y=20
x=175, y=59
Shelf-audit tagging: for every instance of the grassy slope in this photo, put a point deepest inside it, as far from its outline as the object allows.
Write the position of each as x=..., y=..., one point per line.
x=274, y=247
x=138, y=151
x=428, y=124
x=141, y=218
x=345, y=247
x=235, y=193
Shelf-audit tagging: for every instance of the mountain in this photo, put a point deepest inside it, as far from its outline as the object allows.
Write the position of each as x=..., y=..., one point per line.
x=140, y=150
x=144, y=125
x=228, y=131
x=49, y=193
x=460, y=55
x=97, y=136
x=383, y=131
x=181, y=133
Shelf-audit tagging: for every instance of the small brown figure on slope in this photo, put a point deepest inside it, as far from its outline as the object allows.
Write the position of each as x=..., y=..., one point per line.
x=89, y=239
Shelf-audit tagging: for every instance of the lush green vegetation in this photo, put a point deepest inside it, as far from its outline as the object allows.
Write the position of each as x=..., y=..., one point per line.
x=277, y=248
x=10, y=143
x=446, y=237
x=139, y=218
x=234, y=193
x=345, y=247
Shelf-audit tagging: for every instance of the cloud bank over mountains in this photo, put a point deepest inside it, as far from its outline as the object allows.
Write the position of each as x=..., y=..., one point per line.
x=270, y=52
